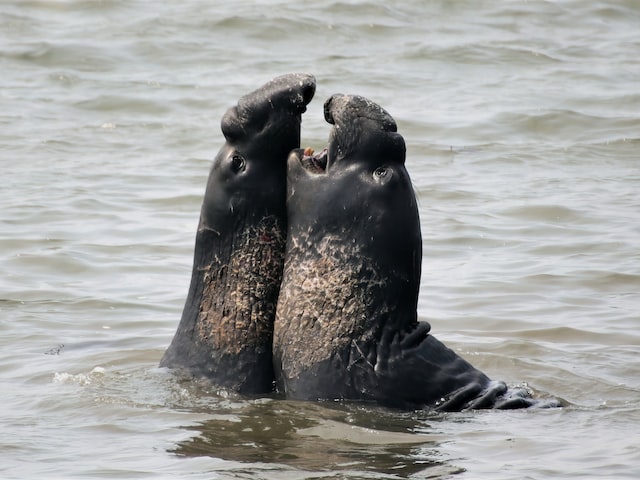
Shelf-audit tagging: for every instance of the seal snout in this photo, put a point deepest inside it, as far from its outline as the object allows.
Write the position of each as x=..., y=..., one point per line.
x=339, y=109
x=294, y=90
x=279, y=102
x=328, y=114
x=308, y=89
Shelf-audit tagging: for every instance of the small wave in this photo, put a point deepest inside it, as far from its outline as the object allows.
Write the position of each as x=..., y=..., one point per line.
x=81, y=379
x=545, y=213
x=110, y=103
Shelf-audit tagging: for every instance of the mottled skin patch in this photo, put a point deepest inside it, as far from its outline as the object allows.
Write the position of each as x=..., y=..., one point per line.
x=346, y=321
x=327, y=297
x=239, y=295
x=226, y=330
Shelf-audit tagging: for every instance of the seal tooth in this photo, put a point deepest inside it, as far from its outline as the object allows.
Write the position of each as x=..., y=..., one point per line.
x=308, y=151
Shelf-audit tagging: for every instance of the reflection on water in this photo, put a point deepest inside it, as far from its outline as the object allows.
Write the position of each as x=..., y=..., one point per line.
x=324, y=438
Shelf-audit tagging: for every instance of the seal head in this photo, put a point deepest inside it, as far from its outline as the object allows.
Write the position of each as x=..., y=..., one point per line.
x=346, y=322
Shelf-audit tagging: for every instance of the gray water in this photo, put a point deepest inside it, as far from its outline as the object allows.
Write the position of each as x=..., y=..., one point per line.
x=522, y=121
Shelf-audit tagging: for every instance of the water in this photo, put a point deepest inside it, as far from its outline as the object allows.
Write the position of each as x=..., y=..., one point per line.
x=522, y=124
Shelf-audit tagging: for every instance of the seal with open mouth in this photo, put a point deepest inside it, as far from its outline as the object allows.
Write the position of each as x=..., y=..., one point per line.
x=346, y=322
x=226, y=330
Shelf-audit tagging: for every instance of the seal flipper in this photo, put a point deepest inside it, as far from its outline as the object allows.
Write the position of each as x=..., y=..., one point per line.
x=470, y=389
x=459, y=399
x=429, y=374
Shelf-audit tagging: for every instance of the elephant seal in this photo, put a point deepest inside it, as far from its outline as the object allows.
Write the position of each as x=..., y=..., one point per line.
x=226, y=330
x=346, y=322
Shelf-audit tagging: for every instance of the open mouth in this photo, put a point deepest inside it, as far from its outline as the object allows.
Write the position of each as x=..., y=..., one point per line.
x=314, y=163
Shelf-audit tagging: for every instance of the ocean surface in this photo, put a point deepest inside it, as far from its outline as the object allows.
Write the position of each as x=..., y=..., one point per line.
x=522, y=122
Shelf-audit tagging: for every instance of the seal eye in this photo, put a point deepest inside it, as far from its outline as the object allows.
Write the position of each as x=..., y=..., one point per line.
x=238, y=163
x=381, y=173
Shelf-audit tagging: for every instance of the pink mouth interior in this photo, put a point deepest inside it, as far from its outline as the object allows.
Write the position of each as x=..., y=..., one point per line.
x=316, y=163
